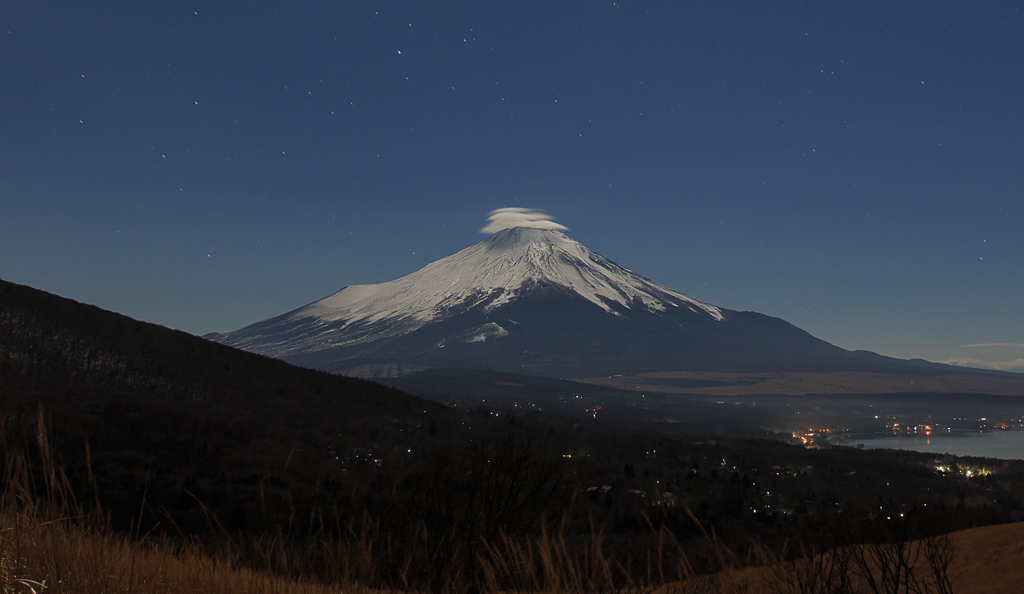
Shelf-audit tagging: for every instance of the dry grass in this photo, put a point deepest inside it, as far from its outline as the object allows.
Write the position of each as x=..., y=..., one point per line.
x=551, y=564
x=39, y=552
x=49, y=542
x=58, y=556
x=44, y=552
x=989, y=559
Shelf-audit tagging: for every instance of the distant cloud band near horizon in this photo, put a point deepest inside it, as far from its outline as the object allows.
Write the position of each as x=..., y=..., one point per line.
x=995, y=344
x=1015, y=366
x=506, y=218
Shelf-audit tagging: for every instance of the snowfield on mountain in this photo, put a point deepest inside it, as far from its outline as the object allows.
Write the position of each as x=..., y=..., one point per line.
x=535, y=301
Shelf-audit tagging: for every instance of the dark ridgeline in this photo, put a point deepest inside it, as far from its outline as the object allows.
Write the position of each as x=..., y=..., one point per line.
x=169, y=414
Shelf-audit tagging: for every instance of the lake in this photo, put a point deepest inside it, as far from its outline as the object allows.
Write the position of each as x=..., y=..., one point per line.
x=1008, y=445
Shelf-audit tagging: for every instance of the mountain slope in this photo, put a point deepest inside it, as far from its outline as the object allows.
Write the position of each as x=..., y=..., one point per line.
x=535, y=301
x=168, y=417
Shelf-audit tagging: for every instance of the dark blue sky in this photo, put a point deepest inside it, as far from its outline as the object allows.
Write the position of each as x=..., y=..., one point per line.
x=856, y=168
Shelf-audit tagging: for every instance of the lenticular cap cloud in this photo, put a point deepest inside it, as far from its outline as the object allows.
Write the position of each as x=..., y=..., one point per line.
x=506, y=218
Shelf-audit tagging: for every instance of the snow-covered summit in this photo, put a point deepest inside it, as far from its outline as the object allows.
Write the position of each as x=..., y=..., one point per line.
x=530, y=300
x=495, y=271
x=487, y=276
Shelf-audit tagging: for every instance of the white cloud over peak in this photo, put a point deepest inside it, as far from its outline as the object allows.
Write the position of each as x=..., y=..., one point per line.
x=506, y=218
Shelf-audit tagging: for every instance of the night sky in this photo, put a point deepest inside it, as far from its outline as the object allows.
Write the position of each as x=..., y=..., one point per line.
x=856, y=168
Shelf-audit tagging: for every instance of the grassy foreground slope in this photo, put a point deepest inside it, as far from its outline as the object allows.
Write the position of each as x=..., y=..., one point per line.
x=46, y=547
x=990, y=559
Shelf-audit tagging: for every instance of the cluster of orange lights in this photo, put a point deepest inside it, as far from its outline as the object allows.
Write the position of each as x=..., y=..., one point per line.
x=927, y=429
x=811, y=434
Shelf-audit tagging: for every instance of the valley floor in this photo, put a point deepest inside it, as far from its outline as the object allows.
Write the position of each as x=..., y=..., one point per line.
x=801, y=384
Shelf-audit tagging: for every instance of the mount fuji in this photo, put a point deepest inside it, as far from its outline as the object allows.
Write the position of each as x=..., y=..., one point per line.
x=535, y=301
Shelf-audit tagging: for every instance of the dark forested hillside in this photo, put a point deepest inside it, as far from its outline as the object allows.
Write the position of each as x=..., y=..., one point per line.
x=51, y=343
x=182, y=418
